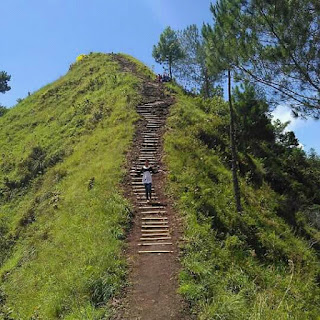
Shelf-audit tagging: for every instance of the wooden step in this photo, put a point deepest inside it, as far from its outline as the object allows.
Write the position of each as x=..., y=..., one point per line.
x=149, y=236
x=137, y=183
x=154, y=223
x=164, y=233
x=154, y=218
x=151, y=207
x=154, y=226
x=155, y=244
x=150, y=159
x=155, y=212
x=155, y=231
x=155, y=235
x=156, y=251
x=155, y=239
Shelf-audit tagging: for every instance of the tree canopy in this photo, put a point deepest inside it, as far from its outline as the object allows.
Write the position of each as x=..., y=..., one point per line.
x=168, y=49
x=192, y=69
x=4, y=79
x=271, y=43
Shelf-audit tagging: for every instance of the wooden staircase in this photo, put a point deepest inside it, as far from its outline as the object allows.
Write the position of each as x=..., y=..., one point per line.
x=155, y=233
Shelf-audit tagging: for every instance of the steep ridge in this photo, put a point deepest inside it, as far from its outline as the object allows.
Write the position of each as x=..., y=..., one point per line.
x=250, y=266
x=63, y=217
x=153, y=240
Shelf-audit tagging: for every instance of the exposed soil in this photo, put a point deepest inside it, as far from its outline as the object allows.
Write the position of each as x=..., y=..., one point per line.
x=153, y=279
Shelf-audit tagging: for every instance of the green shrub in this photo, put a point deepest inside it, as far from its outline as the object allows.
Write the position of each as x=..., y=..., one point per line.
x=62, y=241
x=249, y=266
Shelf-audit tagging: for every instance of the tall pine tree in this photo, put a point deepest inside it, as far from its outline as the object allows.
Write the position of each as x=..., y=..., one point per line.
x=168, y=50
x=4, y=79
x=192, y=69
x=282, y=48
x=224, y=53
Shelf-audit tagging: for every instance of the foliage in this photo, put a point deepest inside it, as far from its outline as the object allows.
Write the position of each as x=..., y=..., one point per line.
x=286, y=167
x=3, y=110
x=275, y=44
x=4, y=79
x=192, y=69
x=253, y=118
x=168, y=50
x=249, y=266
x=287, y=50
x=222, y=53
x=63, y=218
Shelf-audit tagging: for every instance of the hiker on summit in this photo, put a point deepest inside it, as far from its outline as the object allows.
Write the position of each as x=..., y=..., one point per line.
x=166, y=78
x=147, y=178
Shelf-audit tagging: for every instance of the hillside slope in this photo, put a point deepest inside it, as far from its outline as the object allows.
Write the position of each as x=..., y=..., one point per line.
x=62, y=214
x=63, y=217
x=257, y=265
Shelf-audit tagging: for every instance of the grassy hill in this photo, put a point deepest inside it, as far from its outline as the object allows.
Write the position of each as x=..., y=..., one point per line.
x=257, y=265
x=63, y=218
x=62, y=214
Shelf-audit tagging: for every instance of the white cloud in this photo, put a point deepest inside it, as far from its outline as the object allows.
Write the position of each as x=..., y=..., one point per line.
x=164, y=12
x=284, y=114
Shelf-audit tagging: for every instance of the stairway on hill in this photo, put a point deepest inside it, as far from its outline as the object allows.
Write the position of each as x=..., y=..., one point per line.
x=153, y=251
x=155, y=233
x=153, y=241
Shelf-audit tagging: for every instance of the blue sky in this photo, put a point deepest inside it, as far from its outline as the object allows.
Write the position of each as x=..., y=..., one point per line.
x=41, y=38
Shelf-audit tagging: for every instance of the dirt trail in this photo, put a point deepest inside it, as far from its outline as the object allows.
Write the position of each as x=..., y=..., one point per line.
x=153, y=241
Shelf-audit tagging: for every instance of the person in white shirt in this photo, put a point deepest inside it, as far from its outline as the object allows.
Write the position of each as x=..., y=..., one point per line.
x=147, y=178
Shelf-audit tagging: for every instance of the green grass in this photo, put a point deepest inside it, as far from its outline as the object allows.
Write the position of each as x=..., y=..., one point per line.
x=62, y=213
x=249, y=266
x=63, y=218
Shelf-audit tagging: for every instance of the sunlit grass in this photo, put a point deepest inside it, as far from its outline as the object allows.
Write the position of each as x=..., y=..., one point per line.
x=67, y=262
x=249, y=266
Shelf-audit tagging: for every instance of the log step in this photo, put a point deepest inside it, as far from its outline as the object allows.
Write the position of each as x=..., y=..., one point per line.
x=154, y=218
x=156, y=251
x=148, y=239
x=144, y=226
x=154, y=223
x=151, y=207
x=164, y=231
x=154, y=212
x=162, y=234
x=155, y=244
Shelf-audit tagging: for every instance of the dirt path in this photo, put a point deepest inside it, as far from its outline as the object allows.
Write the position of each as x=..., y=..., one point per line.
x=153, y=241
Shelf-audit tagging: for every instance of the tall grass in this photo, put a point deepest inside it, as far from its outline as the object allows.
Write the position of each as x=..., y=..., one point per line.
x=249, y=266
x=61, y=207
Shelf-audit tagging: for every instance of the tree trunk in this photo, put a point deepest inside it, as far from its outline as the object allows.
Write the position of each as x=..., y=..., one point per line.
x=206, y=84
x=170, y=66
x=235, y=181
x=170, y=69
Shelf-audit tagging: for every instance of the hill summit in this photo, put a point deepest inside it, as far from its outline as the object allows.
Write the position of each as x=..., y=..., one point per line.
x=64, y=216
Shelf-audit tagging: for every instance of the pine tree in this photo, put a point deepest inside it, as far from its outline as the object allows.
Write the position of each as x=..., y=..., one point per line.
x=168, y=50
x=279, y=48
x=192, y=68
x=223, y=55
x=4, y=79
